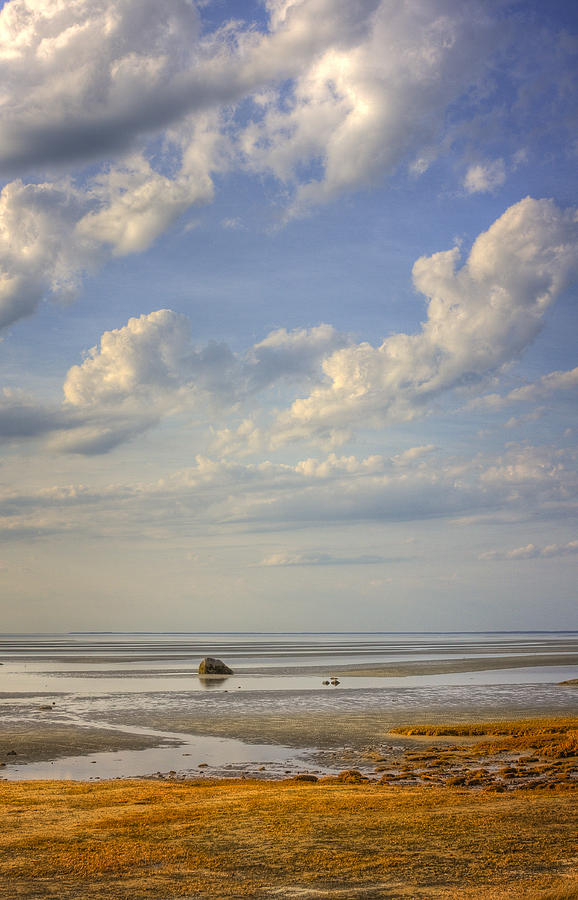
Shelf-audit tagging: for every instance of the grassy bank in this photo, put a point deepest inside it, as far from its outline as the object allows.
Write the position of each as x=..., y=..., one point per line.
x=143, y=839
x=488, y=832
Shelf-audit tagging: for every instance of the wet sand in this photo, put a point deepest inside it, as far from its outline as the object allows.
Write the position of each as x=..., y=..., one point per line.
x=22, y=742
x=336, y=737
x=427, y=667
x=458, y=664
x=332, y=721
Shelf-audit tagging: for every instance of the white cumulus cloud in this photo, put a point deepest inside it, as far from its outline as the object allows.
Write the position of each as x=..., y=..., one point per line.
x=479, y=316
x=329, y=84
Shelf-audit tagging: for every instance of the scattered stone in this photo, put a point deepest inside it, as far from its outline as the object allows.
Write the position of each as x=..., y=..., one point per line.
x=211, y=666
x=325, y=682
x=334, y=681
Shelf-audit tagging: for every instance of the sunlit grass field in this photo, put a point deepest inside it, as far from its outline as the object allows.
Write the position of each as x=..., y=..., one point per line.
x=325, y=838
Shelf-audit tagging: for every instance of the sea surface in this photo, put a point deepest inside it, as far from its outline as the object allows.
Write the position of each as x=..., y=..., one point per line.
x=106, y=680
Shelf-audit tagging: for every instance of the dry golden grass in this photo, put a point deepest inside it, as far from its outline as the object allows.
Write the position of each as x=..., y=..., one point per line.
x=549, y=737
x=341, y=837
x=150, y=839
x=515, y=728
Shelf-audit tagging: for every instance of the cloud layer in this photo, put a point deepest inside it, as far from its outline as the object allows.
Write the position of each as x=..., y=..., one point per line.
x=317, y=96
x=480, y=317
x=523, y=483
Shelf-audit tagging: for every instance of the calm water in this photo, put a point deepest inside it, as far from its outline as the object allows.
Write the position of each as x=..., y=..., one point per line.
x=108, y=679
x=272, y=650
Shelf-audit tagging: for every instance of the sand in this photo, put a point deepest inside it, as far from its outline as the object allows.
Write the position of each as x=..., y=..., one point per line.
x=23, y=742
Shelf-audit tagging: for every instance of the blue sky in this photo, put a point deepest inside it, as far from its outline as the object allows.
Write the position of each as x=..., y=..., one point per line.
x=288, y=315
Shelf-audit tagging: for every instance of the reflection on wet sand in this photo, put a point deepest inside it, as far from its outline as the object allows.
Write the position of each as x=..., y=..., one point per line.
x=213, y=682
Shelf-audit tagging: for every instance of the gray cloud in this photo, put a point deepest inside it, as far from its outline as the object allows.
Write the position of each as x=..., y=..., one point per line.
x=89, y=79
x=543, y=388
x=22, y=417
x=68, y=429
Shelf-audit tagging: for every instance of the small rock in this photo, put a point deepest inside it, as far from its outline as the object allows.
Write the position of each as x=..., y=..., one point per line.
x=211, y=666
x=304, y=776
x=203, y=765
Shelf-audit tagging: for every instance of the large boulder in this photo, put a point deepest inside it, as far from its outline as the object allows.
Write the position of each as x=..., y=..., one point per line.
x=211, y=666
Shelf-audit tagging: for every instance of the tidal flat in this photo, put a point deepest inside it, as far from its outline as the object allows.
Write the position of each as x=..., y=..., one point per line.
x=102, y=706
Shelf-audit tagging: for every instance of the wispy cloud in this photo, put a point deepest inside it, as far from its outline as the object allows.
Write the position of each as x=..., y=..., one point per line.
x=316, y=558
x=531, y=551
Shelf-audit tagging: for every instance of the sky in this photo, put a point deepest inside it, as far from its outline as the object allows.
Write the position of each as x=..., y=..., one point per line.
x=288, y=315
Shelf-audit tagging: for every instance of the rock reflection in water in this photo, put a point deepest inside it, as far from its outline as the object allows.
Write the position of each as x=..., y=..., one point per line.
x=212, y=682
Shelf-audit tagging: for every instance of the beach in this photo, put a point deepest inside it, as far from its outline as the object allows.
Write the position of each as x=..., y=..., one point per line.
x=129, y=776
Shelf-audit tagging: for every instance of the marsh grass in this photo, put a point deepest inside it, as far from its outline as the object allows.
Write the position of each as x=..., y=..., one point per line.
x=344, y=836
x=513, y=728
x=556, y=738
x=138, y=839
